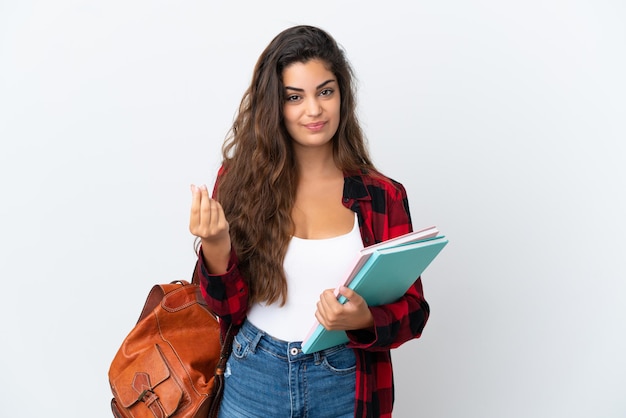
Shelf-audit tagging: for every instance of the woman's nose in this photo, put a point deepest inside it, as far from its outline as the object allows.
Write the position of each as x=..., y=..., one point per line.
x=313, y=107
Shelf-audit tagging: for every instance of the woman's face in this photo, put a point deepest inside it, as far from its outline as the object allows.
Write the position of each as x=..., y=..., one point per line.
x=312, y=103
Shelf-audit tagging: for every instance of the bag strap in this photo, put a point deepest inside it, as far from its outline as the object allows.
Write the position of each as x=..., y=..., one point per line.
x=227, y=346
x=218, y=381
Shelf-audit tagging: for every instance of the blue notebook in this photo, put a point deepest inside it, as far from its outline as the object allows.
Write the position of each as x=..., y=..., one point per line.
x=386, y=275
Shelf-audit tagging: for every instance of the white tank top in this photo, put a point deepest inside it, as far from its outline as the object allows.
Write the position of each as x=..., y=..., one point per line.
x=311, y=266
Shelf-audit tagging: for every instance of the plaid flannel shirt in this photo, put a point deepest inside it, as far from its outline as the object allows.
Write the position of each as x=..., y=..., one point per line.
x=382, y=209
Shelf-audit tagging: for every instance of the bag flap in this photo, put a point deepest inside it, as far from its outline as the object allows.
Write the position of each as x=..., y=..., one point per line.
x=156, y=295
x=184, y=297
x=148, y=372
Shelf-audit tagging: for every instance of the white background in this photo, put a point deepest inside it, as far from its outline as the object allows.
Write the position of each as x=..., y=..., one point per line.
x=505, y=120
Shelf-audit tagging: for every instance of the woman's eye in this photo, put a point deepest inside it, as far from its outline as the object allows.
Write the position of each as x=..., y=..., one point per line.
x=326, y=92
x=292, y=98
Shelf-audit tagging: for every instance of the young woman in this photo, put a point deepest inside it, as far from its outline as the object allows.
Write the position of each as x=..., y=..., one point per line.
x=296, y=198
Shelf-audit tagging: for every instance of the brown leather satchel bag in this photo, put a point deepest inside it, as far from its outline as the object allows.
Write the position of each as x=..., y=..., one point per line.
x=171, y=364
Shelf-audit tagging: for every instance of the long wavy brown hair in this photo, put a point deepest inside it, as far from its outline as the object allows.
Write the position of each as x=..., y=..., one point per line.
x=257, y=187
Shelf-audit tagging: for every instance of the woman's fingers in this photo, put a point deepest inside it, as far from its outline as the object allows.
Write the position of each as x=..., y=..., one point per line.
x=200, y=216
x=327, y=307
x=195, y=203
x=205, y=212
x=207, y=219
x=194, y=217
x=353, y=314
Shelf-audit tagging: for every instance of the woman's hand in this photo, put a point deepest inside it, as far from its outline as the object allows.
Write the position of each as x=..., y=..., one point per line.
x=352, y=315
x=208, y=222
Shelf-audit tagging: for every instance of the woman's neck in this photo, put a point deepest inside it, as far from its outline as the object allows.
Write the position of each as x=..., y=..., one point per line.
x=316, y=163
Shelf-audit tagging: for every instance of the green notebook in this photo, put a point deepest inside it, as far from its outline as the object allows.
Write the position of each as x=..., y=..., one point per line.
x=386, y=275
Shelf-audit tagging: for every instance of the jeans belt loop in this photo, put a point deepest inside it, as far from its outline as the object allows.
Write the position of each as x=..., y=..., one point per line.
x=255, y=341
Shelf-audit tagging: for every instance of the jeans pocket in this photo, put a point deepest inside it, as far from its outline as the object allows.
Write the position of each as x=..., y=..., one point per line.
x=341, y=361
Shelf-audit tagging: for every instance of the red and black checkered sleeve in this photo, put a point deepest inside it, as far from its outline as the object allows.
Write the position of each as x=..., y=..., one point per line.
x=226, y=294
x=404, y=319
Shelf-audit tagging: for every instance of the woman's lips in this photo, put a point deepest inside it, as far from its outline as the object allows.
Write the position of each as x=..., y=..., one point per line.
x=315, y=126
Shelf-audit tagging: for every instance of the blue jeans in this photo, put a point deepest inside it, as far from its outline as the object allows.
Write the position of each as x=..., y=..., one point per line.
x=266, y=377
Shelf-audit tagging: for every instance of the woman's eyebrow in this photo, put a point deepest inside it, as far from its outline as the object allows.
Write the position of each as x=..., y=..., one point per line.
x=317, y=88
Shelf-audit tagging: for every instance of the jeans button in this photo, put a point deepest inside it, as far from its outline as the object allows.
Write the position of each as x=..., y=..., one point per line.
x=294, y=351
